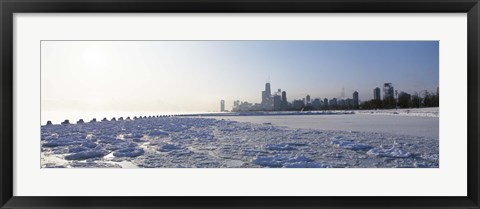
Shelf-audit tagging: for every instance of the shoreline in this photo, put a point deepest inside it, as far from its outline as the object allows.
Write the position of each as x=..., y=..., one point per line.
x=416, y=112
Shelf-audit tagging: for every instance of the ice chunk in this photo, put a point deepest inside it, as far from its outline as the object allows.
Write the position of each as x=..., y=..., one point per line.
x=286, y=161
x=109, y=140
x=347, y=143
x=77, y=149
x=234, y=163
x=253, y=152
x=89, y=144
x=158, y=133
x=393, y=153
x=274, y=162
x=133, y=135
x=129, y=152
x=169, y=147
x=87, y=154
x=204, y=136
x=62, y=142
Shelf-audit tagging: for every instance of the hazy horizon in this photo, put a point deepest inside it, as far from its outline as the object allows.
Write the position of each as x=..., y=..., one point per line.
x=106, y=77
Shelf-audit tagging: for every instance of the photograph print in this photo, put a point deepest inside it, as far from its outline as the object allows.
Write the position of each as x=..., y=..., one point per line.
x=239, y=104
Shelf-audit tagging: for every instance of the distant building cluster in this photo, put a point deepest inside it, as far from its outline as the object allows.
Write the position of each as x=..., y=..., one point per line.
x=393, y=99
x=277, y=101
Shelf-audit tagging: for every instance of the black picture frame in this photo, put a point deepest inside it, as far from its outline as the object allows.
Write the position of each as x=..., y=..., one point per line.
x=9, y=7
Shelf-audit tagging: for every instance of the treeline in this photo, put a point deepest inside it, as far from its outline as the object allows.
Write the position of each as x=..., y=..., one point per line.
x=424, y=99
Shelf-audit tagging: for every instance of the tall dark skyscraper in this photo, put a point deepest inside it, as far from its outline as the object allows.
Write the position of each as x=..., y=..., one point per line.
x=388, y=91
x=284, y=100
x=308, y=99
x=376, y=94
x=267, y=88
x=355, y=99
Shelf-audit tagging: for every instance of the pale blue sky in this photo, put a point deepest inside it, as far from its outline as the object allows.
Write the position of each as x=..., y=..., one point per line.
x=193, y=76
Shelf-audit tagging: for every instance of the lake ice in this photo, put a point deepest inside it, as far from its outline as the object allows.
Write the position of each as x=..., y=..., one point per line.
x=361, y=140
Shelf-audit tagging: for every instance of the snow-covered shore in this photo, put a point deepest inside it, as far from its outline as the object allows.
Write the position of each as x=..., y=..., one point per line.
x=178, y=142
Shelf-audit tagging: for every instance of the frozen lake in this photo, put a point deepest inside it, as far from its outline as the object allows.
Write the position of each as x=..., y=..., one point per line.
x=276, y=141
x=392, y=124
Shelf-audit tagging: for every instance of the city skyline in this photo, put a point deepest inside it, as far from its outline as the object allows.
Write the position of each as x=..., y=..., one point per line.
x=277, y=100
x=193, y=76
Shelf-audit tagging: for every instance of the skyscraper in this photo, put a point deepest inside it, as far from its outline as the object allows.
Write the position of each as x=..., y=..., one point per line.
x=308, y=99
x=267, y=88
x=222, y=105
x=316, y=103
x=388, y=91
x=355, y=99
x=267, y=103
x=277, y=102
x=376, y=94
x=284, y=100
